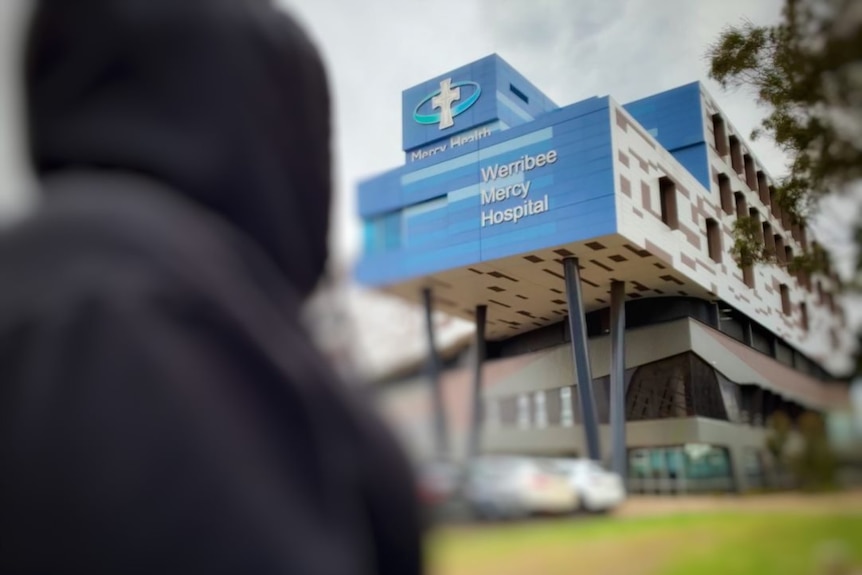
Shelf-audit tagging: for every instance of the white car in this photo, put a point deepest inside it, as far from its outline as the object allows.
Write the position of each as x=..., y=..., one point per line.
x=509, y=487
x=598, y=489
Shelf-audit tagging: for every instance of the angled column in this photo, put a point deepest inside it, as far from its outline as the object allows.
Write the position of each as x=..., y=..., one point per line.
x=477, y=418
x=581, y=357
x=441, y=437
x=618, y=378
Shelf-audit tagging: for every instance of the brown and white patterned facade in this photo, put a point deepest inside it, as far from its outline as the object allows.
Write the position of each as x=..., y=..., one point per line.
x=802, y=310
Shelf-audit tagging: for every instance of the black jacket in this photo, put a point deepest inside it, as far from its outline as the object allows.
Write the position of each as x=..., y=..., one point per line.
x=161, y=409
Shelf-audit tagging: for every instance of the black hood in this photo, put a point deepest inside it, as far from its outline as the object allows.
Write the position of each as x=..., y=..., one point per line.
x=223, y=101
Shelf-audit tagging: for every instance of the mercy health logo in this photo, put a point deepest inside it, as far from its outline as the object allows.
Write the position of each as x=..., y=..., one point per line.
x=443, y=99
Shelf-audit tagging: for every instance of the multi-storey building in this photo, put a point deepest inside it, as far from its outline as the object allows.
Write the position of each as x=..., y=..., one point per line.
x=511, y=204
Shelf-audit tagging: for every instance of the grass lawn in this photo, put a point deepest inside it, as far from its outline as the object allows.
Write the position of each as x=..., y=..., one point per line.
x=726, y=543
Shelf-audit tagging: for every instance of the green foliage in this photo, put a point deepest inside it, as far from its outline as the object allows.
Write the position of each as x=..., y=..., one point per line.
x=815, y=466
x=806, y=72
x=748, y=247
x=779, y=426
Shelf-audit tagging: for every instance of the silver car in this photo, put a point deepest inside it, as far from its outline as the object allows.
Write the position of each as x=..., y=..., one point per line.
x=502, y=487
x=598, y=489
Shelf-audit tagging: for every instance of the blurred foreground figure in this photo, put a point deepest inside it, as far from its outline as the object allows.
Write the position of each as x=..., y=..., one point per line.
x=161, y=410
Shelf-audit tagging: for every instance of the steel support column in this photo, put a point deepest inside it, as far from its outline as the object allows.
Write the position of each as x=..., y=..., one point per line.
x=581, y=357
x=477, y=415
x=441, y=438
x=618, y=378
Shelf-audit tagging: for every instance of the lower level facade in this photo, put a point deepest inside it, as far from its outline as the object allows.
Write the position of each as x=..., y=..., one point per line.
x=697, y=400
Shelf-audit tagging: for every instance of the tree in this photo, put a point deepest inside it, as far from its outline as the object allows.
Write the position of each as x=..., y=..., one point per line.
x=779, y=426
x=807, y=72
x=815, y=465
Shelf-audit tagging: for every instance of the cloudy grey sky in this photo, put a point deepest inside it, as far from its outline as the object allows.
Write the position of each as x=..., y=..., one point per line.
x=571, y=49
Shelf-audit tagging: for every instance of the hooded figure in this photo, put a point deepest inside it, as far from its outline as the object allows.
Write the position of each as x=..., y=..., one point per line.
x=161, y=408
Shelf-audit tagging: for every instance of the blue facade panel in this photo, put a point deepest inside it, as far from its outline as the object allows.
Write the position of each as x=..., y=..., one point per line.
x=675, y=119
x=494, y=168
x=696, y=160
x=481, y=95
x=534, y=186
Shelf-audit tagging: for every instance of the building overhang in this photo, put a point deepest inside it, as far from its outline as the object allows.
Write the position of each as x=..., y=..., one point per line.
x=527, y=291
x=744, y=365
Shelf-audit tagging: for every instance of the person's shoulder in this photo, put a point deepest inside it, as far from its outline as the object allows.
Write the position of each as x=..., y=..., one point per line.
x=107, y=233
x=49, y=262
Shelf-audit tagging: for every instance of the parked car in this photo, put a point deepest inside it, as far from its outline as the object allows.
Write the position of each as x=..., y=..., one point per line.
x=503, y=487
x=598, y=489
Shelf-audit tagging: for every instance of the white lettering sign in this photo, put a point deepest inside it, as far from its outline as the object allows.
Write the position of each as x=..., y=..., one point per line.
x=525, y=164
x=454, y=142
x=520, y=191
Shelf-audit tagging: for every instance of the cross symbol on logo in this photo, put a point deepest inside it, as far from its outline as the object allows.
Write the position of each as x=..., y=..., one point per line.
x=444, y=101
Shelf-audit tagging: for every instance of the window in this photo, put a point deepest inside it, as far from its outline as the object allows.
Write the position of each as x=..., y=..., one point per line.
x=667, y=193
x=780, y=253
x=821, y=297
x=785, y=299
x=658, y=390
x=524, y=411
x=748, y=276
x=508, y=410
x=678, y=386
x=830, y=302
x=735, y=154
x=567, y=418
x=794, y=231
x=788, y=259
x=750, y=175
x=725, y=194
x=773, y=203
x=755, y=218
x=803, y=238
x=741, y=205
x=768, y=238
x=786, y=221
x=720, y=134
x=553, y=408
x=803, y=316
x=761, y=340
x=763, y=188
x=519, y=94
x=783, y=353
x=540, y=413
x=384, y=233
x=804, y=277
x=713, y=239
